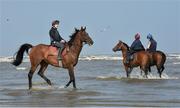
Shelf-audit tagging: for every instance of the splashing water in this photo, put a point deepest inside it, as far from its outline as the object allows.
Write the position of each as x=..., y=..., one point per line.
x=150, y=77
x=21, y=68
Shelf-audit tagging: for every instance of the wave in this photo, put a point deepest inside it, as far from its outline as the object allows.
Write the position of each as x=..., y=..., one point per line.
x=91, y=57
x=101, y=57
x=6, y=59
x=173, y=56
x=176, y=63
x=10, y=59
x=21, y=68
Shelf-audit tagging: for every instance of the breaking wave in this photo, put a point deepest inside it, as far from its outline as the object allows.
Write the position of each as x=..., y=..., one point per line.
x=21, y=68
x=91, y=57
x=173, y=56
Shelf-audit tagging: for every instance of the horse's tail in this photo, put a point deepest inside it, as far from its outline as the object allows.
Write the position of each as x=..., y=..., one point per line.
x=19, y=57
x=163, y=60
x=163, y=56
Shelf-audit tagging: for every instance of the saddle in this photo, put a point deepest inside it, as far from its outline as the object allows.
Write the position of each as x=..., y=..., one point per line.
x=53, y=51
x=130, y=56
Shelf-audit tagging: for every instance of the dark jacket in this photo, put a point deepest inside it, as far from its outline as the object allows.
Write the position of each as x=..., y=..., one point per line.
x=54, y=35
x=153, y=45
x=137, y=46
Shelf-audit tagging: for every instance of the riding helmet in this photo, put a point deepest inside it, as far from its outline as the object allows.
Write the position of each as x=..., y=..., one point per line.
x=55, y=22
x=149, y=36
x=137, y=36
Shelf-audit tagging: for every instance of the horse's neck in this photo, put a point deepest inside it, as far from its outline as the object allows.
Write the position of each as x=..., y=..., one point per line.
x=76, y=47
x=124, y=54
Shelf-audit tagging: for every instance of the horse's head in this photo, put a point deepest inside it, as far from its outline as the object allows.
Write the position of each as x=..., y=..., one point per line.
x=84, y=36
x=120, y=46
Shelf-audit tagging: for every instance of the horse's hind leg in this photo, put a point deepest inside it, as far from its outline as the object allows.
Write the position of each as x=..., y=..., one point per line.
x=149, y=69
x=160, y=70
x=30, y=75
x=145, y=71
x=141, y=73
x=42, y=69
x=34, y=64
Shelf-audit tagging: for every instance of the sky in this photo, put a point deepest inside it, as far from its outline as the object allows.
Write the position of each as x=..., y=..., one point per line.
x=107, y=21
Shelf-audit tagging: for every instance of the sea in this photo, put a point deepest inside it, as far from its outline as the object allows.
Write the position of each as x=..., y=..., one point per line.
x=101, y=82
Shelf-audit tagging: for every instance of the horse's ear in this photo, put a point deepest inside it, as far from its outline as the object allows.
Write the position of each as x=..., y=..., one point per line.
x=76, y=29
x=120, y=41
x=84, y=28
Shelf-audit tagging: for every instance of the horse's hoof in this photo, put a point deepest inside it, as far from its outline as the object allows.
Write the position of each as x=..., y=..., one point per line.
x=30, y=91
x=52, y=84
x=160, y=76
x=127, y=76
x=49, y=82
x=30, y=88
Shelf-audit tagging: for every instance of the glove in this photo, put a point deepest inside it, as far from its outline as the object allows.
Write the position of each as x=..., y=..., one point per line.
x=63, y=41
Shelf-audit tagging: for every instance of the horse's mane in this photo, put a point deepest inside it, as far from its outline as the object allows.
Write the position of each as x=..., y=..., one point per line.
x=126, y=45
x=72, y=37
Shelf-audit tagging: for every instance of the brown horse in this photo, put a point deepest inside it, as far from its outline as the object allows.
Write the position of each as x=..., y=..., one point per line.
x=141, y=58
x=157, y=58
x=43, y=56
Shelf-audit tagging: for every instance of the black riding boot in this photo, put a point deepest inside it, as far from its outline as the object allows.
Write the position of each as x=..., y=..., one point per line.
x=128, y=58
x=59, y=54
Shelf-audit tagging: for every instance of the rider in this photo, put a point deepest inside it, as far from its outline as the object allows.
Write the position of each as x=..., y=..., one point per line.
x=152, y=44
x=56, y=39
x=135, y=47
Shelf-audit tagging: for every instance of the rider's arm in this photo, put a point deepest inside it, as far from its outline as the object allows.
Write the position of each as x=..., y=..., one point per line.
x=61, y=39
x=142, y=45
x=148, y=46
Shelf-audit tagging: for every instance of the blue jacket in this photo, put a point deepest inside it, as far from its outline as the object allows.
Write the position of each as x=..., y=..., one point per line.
x=153, y=45
x=137, y=46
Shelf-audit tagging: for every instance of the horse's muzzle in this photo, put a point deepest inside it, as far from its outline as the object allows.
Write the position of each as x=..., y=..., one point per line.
x=114, y=49
x=90, y=43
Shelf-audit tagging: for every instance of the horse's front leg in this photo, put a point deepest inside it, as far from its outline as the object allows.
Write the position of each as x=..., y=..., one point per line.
x=72, y=77
x=128, y=71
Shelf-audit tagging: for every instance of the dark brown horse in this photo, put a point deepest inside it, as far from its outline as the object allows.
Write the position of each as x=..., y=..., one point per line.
x=43, y=56
x=157, y=58
x=141, y=58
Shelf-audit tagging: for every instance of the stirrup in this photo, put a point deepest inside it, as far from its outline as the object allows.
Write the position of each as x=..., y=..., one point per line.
x=126, y=62
x=60, y=63
x=59, y=59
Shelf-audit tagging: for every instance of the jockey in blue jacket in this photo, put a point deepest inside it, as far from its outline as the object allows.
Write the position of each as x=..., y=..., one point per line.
x=152, y=44
x=135, y=47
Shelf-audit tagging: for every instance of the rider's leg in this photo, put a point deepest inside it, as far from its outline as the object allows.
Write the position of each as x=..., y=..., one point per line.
x=128, y=57
x=60, y=48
